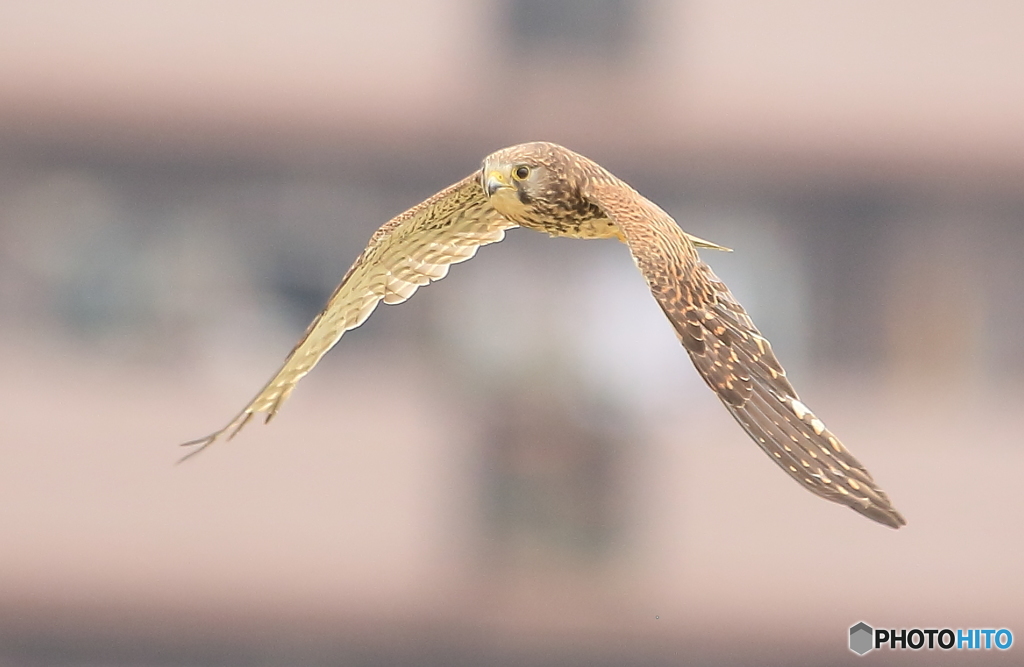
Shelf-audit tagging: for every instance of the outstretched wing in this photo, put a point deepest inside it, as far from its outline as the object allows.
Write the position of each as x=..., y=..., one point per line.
x=733, y=358
x=411, y=250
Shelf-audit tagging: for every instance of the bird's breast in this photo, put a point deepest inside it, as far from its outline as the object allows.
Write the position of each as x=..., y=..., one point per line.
x=574, y=226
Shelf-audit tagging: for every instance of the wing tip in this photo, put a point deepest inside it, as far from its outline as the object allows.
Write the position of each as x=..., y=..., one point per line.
x=231, y=429
x=885, y=515
x=200, y=444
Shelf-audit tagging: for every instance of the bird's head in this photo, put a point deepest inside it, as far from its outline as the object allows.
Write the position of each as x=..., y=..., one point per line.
x=534, y=182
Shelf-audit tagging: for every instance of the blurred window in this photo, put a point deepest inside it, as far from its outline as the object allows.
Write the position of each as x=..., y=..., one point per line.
x=591, y=27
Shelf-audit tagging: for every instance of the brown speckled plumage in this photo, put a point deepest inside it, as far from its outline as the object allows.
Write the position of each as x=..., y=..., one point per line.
x=549, y=188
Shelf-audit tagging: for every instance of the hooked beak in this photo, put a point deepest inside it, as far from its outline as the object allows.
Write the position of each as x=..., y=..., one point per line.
x=494, y=182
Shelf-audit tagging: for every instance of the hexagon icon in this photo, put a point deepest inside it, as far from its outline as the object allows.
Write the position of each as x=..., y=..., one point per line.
x=862, y=638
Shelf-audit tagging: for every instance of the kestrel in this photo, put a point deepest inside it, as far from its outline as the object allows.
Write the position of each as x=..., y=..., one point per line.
x=548, y=188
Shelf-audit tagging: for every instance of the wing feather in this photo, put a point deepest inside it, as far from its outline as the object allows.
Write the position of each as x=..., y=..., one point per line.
x=732, y=356
x=411, y=250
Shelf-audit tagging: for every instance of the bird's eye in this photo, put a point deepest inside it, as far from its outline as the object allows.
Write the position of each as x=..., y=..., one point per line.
x=521, y=173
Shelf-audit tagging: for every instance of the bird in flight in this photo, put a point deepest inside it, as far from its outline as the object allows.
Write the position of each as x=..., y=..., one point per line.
x=548, y=188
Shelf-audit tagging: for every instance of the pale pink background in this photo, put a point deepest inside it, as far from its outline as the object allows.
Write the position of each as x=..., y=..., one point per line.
x=165, y=165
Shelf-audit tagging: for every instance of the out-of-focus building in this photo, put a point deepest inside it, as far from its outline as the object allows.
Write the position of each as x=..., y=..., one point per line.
x=519, y=461
x=863, y=135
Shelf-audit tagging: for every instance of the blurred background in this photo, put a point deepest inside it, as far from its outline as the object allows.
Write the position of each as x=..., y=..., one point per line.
x=519, y=465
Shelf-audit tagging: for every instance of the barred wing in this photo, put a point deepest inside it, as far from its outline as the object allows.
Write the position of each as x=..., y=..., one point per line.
x=411, y=250
x=734, y=359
